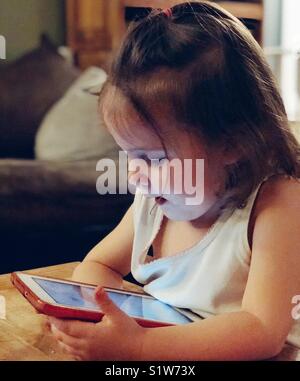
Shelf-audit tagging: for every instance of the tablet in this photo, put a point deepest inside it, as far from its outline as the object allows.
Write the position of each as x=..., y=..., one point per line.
x=74, y=300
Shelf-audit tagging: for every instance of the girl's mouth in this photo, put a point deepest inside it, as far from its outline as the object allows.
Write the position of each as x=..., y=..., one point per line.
x=160, y=200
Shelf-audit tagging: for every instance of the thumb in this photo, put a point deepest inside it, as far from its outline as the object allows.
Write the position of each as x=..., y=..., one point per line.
x=107, y=306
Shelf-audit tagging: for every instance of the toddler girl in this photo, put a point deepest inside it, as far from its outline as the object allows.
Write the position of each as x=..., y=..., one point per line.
x=190, y=82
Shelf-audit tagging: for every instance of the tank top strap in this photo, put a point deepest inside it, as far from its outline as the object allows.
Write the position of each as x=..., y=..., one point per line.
x=248, y=205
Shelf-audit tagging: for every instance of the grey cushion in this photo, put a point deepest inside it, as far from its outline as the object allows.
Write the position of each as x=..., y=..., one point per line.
x=46, y=194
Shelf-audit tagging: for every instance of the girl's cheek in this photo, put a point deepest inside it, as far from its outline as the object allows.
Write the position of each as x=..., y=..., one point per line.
x=173, y=183
x=157, y=180
x=180, y=179
x=186, y=177
x=166, y=179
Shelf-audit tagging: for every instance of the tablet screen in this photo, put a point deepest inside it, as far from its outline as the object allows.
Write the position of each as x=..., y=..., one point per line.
x=81, y=296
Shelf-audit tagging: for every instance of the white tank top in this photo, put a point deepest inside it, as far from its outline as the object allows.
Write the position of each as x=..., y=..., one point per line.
x=210, y=277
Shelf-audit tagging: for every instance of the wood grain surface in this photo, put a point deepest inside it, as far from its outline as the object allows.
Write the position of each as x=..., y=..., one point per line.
x=23, y=333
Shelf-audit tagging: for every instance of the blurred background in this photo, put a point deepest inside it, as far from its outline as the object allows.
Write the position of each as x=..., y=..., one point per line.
x=53, y=53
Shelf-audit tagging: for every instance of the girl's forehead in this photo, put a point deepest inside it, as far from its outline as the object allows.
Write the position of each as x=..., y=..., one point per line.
x=131, y=132
x=127, y=127
x=142, y=140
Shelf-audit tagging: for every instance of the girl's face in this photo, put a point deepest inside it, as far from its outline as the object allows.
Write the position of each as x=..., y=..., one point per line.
x=184, y=193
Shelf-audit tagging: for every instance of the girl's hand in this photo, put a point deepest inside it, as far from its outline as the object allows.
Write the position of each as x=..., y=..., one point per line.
x=116, y=337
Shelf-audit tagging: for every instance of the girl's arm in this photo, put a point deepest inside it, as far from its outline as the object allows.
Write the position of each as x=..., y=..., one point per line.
x=257, y=331
x=260, y=329
x=109, y=261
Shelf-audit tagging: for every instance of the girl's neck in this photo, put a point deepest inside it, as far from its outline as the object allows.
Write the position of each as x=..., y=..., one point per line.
x=207, y=220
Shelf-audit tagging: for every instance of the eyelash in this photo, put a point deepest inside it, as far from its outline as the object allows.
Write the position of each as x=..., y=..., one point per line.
x=153, y=161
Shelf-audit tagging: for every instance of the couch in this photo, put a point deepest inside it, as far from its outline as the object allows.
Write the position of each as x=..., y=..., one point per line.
x=50, y=211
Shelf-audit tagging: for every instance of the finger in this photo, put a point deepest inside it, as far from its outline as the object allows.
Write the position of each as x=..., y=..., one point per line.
x=46, y=324
x=70, y=350
x=66, y=339
x=107, y=306
x=73, y=328
x=87, y=294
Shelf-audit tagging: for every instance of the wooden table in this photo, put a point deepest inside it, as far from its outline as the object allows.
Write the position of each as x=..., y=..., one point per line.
x=23, y=335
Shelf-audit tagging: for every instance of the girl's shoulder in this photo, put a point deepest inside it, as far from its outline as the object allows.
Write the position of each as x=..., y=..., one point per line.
x=279, y=190
x=278, y=196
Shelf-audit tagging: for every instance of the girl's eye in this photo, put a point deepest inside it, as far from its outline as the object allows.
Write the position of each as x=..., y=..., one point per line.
x=152, y=160
x=143, y=157
x=157, y=162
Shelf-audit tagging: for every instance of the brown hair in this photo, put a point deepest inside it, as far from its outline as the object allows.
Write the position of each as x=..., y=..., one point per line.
x=205, y=67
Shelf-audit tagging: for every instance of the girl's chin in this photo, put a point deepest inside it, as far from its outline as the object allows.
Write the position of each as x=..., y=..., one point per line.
x=172, y=213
